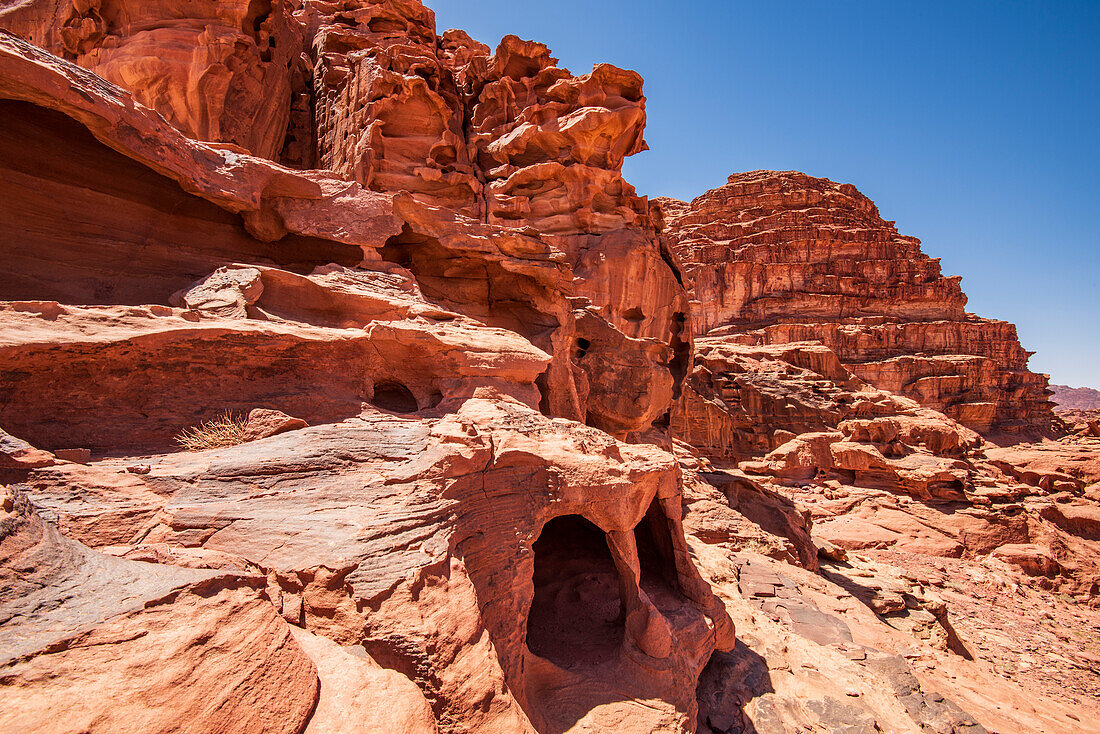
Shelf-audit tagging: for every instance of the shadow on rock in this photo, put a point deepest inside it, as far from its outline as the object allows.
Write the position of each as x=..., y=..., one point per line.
x=728, y=684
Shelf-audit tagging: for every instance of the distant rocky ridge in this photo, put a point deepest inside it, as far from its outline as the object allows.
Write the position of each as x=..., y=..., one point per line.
x=1075, y=398
x=517, y=450
x=781, y=257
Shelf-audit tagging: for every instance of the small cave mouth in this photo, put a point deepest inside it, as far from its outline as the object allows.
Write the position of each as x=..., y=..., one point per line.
x=394, y=397
x=656, y=554
x=635, y=315
x=434, y=399
x=582, y=347
x=576, y=617
x=403, y=249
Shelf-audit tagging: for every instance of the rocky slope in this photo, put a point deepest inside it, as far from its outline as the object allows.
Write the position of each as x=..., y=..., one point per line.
x=476, y=473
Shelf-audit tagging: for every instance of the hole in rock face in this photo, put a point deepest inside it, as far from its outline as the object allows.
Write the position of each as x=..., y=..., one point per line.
x=542, y=382
x=394, y=397
x=655, y=552
x=634, y=314
x=679, y=362
x=583, y=345
x=258, y=12
x=435, y=398
x=576, y=616
x=519, y=67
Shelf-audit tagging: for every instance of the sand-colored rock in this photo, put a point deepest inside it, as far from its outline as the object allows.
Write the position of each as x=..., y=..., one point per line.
x=389, y=551
x=413, y=355
x=358, y=696
x=16, y=453
x=266, y=423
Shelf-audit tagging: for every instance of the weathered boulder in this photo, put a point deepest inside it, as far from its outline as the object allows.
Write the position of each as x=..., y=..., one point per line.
x=16, y=453
x=226, y=292
x=264, y=423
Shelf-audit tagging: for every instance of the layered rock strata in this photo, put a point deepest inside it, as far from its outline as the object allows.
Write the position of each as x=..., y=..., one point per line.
x=349, y=402
x=782, y=257
x=451, y=511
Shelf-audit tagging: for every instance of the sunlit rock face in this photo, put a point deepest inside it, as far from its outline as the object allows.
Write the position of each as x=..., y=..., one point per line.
x=428, y=492
x=368, y=91
x=782, y=257
x=220, y=72
x=345, y=385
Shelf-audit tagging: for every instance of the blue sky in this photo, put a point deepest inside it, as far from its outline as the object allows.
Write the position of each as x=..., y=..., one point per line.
x=975, y=125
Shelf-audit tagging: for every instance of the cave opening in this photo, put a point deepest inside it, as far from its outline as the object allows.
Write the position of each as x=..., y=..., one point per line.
x=473, y=286
x=434, y=399
x=576, y=617
x=656, y=555
x=394, y=397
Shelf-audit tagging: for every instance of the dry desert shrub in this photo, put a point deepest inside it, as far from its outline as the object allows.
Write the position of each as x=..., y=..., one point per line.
x=226, y=430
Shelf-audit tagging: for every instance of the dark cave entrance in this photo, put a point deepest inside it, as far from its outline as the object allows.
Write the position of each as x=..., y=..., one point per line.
x=656, y=555
x=394, y=397
x=576, y=615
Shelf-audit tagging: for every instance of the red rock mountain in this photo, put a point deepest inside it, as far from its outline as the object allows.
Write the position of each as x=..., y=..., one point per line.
x=346, y=386
x=782, y=257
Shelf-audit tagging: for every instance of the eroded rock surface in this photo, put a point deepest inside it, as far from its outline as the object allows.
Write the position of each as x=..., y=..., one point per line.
x=96, y=643
x=417, y=383
x=485, y=477
x=782, y=257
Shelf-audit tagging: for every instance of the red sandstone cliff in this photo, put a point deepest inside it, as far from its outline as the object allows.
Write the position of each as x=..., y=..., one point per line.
x=453, y=492
x=782, y=257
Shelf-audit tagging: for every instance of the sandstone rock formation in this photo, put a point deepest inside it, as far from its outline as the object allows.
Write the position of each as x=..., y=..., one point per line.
x=218, y=71
x=421, y=345
x=106, y=644
x=486, y=479
x=782, y=257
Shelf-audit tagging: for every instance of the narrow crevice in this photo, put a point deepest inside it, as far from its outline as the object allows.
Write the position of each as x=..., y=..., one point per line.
x=656, y=553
